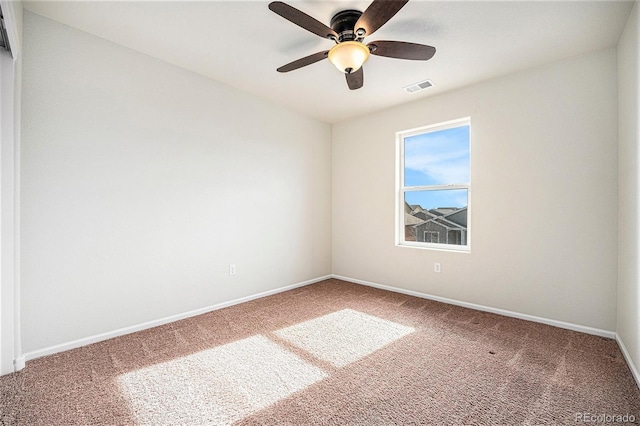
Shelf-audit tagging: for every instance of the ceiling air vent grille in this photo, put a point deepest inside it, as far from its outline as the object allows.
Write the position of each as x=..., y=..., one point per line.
x=419, y=86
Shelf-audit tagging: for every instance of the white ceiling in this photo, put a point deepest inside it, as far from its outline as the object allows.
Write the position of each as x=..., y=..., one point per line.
x=241, y=43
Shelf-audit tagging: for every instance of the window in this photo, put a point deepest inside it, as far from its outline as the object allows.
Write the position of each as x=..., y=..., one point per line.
x=434, y=186
x=431, y=237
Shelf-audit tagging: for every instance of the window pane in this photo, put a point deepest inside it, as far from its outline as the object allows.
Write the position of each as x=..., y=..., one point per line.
x=437, y=158
x=436, y=216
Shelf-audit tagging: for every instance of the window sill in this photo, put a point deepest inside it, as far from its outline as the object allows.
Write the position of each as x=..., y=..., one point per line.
x=439, y=247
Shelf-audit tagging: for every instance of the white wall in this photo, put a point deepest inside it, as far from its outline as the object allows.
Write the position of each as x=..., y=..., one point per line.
x=544, y=195
x=629, y=189
x=142, y=182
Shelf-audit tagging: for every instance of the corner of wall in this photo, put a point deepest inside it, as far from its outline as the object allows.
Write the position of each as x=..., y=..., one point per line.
x=628, y=289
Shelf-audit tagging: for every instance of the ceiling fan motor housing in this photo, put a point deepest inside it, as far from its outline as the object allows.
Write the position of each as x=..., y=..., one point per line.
x=344, y=22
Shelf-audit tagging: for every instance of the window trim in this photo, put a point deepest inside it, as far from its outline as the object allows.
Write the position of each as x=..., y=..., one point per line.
x=401, y=189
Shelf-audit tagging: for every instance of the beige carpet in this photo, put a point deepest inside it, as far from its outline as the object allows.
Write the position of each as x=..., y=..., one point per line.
x=331, y=353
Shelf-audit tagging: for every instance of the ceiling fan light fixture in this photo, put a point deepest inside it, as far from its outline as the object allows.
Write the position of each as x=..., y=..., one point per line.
x=349, y=56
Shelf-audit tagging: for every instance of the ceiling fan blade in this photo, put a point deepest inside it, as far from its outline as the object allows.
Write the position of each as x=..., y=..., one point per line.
x=303, y=62
x=402, y=50
x=377, y=14
x=302, y=19
x=355, y=80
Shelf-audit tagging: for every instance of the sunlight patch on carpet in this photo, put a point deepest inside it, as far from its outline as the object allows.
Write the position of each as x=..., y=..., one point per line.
x=217, y=386
x=343, y=337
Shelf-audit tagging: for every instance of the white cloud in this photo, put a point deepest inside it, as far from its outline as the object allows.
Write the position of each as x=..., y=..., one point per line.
x=441, y=156
x=443, y=168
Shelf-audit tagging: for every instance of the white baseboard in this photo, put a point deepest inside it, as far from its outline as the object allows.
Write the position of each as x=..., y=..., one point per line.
x=150, y=324
x=555, y=323
x=627, y=357
x=18, y=363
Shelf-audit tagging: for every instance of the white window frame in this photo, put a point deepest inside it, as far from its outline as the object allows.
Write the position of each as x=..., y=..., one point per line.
x=11, y=357
x=401, y=189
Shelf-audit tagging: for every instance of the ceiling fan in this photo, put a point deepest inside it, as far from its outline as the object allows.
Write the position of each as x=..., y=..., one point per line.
x=348, y=30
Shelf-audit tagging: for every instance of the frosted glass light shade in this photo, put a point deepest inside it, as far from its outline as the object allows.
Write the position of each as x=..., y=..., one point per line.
x=349, y=56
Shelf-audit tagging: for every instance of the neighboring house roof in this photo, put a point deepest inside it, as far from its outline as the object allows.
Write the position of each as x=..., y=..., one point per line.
x=410, y=220
x=441, y=222
x=459, y=217
x=448, y=223
x=448, y=217
x=443, y=211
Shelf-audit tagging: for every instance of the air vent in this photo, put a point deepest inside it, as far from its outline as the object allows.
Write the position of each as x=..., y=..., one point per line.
x=419, y=86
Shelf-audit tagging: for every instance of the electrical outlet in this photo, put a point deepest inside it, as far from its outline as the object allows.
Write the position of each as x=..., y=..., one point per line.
x=232, y=269
x=436, y=267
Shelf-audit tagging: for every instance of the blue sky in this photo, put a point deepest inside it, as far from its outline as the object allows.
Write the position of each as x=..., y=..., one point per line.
x=437, y=158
